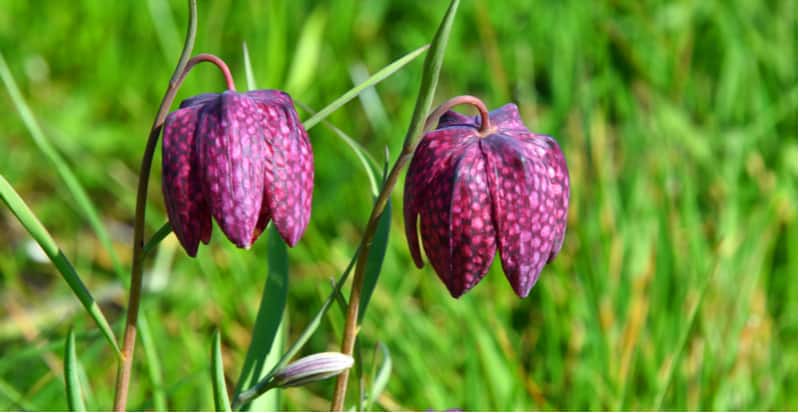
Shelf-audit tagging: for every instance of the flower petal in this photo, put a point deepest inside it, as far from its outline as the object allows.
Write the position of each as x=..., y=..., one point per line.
x=289, y=166
x=417, y=179
x=506, y=119
x=183, y=195
x=429, y=161
x=232, y=151
x=557, y=191
x=455, y=212
x=518, y=183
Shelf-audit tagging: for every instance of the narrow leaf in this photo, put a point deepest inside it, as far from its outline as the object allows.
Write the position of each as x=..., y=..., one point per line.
x=375, y=258
x=159, y=236
x=71, y=376
x=153, y=366
x=60, y=165
x=367, y=161
x=307, y=50
x=430, y=75
x=248, y=68
x=57, y=257
x=381, y=379
x=263, y=385
x=270, y=311
x=352, y=93
x=221, y=402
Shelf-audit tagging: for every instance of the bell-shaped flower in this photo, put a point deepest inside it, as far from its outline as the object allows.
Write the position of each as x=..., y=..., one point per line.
x=479, y=184
x=243, y=158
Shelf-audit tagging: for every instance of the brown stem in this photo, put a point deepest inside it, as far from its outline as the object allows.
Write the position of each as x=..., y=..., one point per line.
x=351, y=323
x=206, y=57
x=181, y=70
x=350, y=326
x=135, y=294
x=486, y=125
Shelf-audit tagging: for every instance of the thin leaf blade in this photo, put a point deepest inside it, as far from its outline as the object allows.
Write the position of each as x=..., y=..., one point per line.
x=430, y=75
x=71, y=182
x=71, y=375
x=381, y=379
x=35, y=228
x=270, y=312
x=154, y=370
x=221, y=401
x=378, y=77
x=157, y=237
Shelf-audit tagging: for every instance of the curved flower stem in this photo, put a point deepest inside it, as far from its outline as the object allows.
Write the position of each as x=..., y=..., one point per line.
x=129, y=340
x=430, y=77
x=205, y=57
x=486, y=125
x=350, y=327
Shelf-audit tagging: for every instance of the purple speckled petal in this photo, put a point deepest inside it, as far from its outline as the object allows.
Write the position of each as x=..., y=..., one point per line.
x=452, y=198
x=431, y=159
x=183, y=195
x=472, y=232
x=289, y=166
x=557, y=192
x=232, y=152
x=506, y=118
x=476, y=193
x=523, y=210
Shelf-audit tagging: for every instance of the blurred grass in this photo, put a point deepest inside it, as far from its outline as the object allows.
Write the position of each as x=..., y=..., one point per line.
x=678, y=121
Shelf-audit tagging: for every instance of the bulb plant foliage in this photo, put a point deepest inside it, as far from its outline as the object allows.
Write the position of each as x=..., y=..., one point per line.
x=475, y=187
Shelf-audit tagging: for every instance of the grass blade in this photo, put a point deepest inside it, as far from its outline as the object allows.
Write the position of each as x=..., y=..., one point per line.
x=248, y=68
x=70, y=180
x=263, y=385
x=683, y=338
x=381, y=379
x=71, y=376
x=373, y=80
x=307, y=51
x=57, y=257
x=153, y=363
x=367, y=161
x=221, y=402
x=270, y=312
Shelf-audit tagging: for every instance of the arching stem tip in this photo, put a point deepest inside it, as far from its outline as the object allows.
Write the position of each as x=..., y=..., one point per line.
x=486, y=125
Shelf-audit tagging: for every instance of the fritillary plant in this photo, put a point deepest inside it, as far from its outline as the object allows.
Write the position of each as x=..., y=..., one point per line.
x=476, y=187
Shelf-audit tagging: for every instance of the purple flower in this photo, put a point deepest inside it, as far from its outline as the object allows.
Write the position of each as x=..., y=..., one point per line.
x=484, y=183
x=243, y=158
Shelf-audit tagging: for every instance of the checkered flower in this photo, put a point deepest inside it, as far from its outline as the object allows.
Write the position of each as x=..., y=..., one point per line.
x=243, y=158
x=479, y=184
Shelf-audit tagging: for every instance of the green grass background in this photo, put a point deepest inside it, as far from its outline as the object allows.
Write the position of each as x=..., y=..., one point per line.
x=677, y=284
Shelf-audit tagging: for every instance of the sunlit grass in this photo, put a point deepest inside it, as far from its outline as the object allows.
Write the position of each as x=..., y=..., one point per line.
x=678, y=122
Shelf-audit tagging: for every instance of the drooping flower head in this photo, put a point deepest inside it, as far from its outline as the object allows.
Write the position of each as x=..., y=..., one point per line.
x=479, y=184
x=243, y=158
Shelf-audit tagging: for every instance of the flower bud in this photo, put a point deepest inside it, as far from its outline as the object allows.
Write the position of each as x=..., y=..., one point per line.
x=311, y=368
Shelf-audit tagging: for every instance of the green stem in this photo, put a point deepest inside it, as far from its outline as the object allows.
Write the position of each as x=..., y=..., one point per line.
x=350, y=330
x=129, y=340
x=430, y=78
